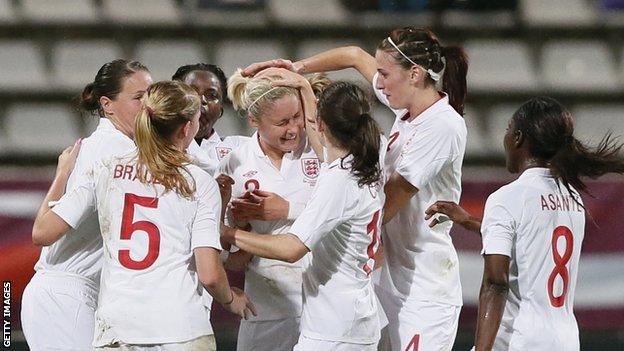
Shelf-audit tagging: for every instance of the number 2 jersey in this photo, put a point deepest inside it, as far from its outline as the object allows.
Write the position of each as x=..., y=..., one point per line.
x=537, y=223
x=150, y=292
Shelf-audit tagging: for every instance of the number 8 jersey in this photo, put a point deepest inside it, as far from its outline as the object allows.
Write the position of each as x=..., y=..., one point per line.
x=150, y=291
x=540, y=226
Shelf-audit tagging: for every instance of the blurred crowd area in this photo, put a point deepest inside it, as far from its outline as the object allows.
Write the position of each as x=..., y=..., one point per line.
x=572, y=50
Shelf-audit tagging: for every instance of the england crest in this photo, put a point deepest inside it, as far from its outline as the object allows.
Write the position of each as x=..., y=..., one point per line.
x=222, y=152
x=310, y=167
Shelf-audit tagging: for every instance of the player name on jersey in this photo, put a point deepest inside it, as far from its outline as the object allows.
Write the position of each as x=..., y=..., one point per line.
x=130, y=172
x=559, y=202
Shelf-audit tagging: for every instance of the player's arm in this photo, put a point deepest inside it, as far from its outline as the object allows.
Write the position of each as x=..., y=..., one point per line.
x=331, y=60
x=492, y=298
x=398, y=193
x=48, y=226
x=283, y=247
x=455, y=213
x=214, y=279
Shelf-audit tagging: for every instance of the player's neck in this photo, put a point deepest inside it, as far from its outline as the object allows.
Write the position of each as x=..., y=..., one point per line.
x=125, y=128
x=422, y=101
x=532, y=162
x=334, y=153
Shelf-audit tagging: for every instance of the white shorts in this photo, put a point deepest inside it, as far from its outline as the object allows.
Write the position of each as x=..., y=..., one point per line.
x=417, y=325
x=203, y=343
x=276, y=335
x=58, y=312
x=307, y=344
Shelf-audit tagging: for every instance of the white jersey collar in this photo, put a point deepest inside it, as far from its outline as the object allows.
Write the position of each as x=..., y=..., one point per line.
x=536, y=171
x=106, y=125
x=432, y=110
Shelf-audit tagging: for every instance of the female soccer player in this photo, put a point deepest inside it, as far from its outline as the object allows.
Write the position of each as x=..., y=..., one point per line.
x=210, y=83
x=279, y=168
x=159, y=218
x=532, y=231
x=339, y=225
x=419, y=285
x=59, y=303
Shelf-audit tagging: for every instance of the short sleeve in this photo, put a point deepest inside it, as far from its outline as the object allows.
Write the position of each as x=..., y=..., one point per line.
x=205, y=231
x=426, y=154
x=328, y=208
x=78, y=203
x=498, y=228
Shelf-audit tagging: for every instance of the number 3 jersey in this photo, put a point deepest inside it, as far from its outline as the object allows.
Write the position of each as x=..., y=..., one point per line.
x=150, y=291
x=538, y=224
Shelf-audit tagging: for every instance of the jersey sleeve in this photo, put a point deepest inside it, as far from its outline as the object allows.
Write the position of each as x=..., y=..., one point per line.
x=498, y=228
x=205, y=230
x=426, y=154
x=328, y=208
x=200, y=158
x=75, y=205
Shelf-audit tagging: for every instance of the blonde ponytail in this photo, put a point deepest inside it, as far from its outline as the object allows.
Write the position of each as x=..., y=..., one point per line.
x=166, y=106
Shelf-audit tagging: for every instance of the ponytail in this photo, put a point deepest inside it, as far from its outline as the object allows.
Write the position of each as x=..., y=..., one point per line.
x=88, y=101
x=365, y=147
x=454, y=78
x=345, y=109
x=575, y=160
x=166, y=107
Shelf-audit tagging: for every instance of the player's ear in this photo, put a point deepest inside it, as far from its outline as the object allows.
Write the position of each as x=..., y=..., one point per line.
x=186, y=129
x=518, y=138
x=416, y=74
x=106, y=104
x=253, y=121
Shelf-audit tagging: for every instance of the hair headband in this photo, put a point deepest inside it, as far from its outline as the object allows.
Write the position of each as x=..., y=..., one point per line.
x=435, y=76
x=260, y=97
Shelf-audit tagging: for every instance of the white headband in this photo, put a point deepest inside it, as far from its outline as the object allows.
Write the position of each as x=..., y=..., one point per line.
x=260, y=97
x=435, y=76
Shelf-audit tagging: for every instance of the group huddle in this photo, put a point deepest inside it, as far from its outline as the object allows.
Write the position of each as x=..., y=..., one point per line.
x=343, y=232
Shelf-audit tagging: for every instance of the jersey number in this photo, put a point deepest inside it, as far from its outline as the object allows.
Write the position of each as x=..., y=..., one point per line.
x=371, y=229
x=128, y=227
x=413, y=344
x=560, y=265
x=393, y=137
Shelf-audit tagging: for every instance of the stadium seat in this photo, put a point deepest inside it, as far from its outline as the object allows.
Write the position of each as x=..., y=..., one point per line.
x=497, y=122
x=157, y=12
x=308, y=13
x=22, y=67
x=59, y=11
x=7, y=12
x=499, y=65
x=578, y=66
x=478, y=142
x=40, y=128
x=75, y=63
x=232, y=124
x=592, y=122
x=233, y=54
x=384, y=116
x=558, y=13
x=478, y=20
x=163, y=58
x=313, y=47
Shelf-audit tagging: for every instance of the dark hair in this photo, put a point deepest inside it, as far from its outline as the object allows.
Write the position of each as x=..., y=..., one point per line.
x=548, y=127
x=108, y=82
x=345, y=109
x=183, y=71
x=423, y=47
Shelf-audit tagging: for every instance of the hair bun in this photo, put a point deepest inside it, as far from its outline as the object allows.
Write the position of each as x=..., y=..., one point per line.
x=88, y=100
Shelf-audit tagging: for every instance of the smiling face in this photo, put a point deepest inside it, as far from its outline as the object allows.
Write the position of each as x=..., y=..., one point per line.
x=280, y=126
x=210, y=91
x=393, y=80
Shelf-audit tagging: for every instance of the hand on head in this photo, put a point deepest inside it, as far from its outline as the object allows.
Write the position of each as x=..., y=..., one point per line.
x=254, y=68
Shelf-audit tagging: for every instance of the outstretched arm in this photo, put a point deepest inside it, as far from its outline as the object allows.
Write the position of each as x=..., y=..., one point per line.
x=331, y=60
x=283, y=247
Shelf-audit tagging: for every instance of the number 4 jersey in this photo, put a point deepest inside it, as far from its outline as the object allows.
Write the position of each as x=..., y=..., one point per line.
x=540, y=226
x=150, y=292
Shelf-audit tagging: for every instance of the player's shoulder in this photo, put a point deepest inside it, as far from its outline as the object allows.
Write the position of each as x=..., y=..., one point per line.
x=105, y=143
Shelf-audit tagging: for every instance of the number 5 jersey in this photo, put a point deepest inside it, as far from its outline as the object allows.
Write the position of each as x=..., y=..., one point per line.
x=150, y=291
x=540, y=225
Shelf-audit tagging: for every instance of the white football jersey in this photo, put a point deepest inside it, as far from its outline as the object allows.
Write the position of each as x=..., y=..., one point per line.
x=80, y=251
x=340, y=226
x=150, y=292
x=428, y=151
x=274, y=286
x=218, y=148
x=537, y=223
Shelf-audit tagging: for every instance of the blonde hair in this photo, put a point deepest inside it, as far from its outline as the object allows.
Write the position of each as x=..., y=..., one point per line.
x=166, y=106
x=253, y=95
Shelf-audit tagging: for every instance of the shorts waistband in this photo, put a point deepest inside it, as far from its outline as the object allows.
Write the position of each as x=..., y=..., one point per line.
x=67, y=279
